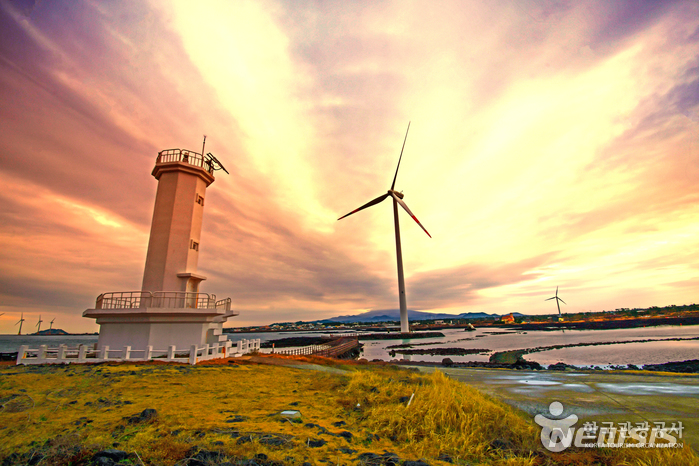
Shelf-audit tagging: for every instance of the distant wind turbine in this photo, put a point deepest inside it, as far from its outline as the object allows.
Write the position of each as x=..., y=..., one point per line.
x=38, y=325
x=51, y=324
x=397, y=199
x=557, y=305
x=21, y=319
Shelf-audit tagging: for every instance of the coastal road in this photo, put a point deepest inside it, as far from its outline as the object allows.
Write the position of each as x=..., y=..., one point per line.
x=594, y=396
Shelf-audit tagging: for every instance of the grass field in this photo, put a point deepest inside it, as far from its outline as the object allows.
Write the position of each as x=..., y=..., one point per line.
x=230, y=412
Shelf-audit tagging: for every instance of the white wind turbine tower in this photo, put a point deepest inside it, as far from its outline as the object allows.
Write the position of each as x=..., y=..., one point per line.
x=557, y=305
x=51, y=324
x=21, y=319
x=397, y=199
x=38, y=325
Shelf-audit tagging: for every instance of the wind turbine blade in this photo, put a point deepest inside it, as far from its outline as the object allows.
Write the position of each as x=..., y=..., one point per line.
x=368, y=204
x=404, y=205
x=401, y=156
x=550, y=299
x=562, y=301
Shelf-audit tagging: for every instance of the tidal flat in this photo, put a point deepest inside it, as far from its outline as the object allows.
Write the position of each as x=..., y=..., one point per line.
x=230, y=412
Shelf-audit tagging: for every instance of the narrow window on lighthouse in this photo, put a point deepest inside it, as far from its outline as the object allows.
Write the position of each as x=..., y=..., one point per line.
x=200, y=199
x=194, y=245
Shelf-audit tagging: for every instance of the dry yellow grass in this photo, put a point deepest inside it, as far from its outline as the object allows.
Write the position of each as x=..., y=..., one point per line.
x=68, y=413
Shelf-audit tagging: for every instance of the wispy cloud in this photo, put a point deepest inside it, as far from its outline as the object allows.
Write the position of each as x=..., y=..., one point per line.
x=552, y=143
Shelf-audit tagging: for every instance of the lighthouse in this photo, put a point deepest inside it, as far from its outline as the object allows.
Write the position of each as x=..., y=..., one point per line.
x=169, y=310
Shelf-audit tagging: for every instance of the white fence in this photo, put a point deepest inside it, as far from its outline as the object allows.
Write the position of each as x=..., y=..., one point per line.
x=85, y=354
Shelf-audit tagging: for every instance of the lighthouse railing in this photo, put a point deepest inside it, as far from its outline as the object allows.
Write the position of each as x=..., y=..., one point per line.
x=160, y=299
x=185, y=156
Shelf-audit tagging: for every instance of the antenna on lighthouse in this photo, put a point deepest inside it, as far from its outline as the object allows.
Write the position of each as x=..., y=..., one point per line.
x=215, y=163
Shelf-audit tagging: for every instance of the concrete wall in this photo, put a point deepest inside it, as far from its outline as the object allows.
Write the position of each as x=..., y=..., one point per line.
x=177, y=219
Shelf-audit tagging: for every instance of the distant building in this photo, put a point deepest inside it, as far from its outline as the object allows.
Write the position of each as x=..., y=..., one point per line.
x=508, y=319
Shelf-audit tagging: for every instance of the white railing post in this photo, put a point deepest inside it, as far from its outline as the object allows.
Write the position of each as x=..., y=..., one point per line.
x=193, y=355
x=149, y=353
x=104, y=352
x=82, y=351
x=41, y=354
x=257, y=344
x=171, y=352
x=205, y=354
x=61, y=353
x=240, y=346
x=21, y=354
x=127, y=353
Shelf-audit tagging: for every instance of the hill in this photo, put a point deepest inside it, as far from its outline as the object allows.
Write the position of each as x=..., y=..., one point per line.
x=52, y=331
x=384, y=315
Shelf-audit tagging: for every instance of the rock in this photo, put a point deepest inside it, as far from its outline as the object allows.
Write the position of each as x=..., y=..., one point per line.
x=689, y=366
x=102, y=461
x=415, y=463
x=204, y=457
x=273, y=441
x=237, y=418
x=447, y=362
x=559, y=366
x=403, y=399
x=369, y=457
x=446, y=458
x=108, y=457
x=339, y=423
x=345, y=435
x=315, y=443
x=146, y=415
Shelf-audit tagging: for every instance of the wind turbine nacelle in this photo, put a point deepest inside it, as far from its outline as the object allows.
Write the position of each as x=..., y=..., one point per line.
x=398, y=195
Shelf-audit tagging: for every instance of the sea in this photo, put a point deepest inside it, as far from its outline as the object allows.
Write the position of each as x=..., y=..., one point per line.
x=666, y=344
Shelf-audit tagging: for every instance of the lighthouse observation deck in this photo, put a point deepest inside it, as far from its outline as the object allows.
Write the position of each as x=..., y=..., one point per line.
x=190, y=157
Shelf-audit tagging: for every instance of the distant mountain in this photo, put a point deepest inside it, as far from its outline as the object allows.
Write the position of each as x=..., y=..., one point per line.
x=52, y=331
x=384, y=315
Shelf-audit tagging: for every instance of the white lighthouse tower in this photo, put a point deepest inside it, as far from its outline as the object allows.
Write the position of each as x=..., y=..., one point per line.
x=169, y=310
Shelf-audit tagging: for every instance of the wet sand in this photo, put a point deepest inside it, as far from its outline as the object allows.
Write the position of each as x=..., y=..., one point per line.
x=593, y=396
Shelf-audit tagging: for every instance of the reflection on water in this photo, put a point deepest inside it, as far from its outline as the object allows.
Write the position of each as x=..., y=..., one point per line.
x=654, y=352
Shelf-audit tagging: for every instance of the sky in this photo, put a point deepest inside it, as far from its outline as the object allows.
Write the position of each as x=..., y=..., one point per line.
x=551, y=144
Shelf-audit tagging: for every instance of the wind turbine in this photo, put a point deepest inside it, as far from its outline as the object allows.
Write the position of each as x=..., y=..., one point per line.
x=557, y=305
x=51, y=324
x=21, y=319
x=38, y=324
x=397, y=199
